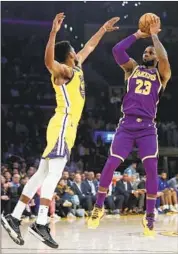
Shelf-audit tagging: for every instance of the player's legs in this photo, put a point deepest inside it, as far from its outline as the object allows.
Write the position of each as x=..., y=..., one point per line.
x=48, y=171
x=120, y=148
x=106, y=177
x=31, y=188
x=40, y=228
x=148, y=151
x=12, y=222
x=56, y=167
x=150, y=165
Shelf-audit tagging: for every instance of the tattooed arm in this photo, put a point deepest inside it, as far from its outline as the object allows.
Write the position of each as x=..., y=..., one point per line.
x=163, y=62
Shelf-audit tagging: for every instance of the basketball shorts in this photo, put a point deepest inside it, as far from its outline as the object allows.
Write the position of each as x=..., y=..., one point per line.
x=61, y=135
x=131, y=132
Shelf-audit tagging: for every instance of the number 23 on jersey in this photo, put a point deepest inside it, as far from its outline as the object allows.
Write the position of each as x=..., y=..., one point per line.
x=143, y=87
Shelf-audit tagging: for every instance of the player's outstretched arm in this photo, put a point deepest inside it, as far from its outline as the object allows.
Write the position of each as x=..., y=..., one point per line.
x=55, y=68
x=95, y=39
x=163, y=62
x=121, y=57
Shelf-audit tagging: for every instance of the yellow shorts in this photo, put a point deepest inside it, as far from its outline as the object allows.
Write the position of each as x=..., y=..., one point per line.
x=61, y=134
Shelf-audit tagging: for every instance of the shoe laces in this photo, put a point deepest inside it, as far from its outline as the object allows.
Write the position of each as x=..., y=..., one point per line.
x=150, y=220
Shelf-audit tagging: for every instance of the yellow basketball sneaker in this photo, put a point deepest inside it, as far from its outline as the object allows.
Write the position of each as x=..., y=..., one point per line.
x=148, y=221
x=94, y=220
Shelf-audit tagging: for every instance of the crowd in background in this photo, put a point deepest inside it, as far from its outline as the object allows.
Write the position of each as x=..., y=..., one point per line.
x=24, y=135
x=76, y=192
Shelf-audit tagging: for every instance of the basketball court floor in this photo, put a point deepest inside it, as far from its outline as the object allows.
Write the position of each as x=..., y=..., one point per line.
x=115, y=235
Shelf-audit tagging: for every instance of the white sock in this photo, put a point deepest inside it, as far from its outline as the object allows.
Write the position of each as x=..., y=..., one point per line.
x=165, y=207
x=176, y=206
x=18, y=210
x=42, y=218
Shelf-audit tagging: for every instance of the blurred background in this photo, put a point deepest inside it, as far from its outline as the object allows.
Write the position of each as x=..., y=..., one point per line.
x=28, y=99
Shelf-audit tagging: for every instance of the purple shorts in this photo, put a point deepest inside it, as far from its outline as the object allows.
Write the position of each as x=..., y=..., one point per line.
x=139, y=132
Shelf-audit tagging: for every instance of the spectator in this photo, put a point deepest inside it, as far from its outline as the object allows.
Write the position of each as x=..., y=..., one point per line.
x=15, y=171
x=131, y=170
x=71, y=178
x=92, y=175
x=14, y=191
x=65, y=177
x=8, y=176
x=86, y=174
x=98, y=175
x=90, y=184
x=133, y=181
x=83, y=177
x=90, y=187
x=112, y=203
x=24, y=166
x=64, y=200
x=169, y=199
x=4, y=168
x=31, y=171
x=124, y=188
x=4, y=197
x=79, y=189
x=23, y=181
x=142, y=190
x=173, y=183
x=23, y=172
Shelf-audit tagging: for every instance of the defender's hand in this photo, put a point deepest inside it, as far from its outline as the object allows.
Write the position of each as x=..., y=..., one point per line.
x=155, y=26
x=109, y=25
x=57, y=22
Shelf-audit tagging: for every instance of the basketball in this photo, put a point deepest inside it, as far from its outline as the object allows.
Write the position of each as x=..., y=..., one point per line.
x=144, y=22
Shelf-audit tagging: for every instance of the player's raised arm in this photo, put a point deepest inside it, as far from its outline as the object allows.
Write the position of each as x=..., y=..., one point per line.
x=95, y=39
x=120, y=55
x=55, y=68
x=163, y=62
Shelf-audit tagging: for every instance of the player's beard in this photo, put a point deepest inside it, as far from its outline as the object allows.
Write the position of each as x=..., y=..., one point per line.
x=150, y=63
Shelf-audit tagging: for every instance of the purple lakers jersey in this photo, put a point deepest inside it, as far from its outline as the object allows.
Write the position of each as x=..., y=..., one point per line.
x=142, y=97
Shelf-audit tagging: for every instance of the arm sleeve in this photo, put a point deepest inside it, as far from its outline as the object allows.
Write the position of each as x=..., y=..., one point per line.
x=119, y=50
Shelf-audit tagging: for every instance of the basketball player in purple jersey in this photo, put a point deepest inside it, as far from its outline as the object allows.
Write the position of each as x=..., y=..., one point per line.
x=144, y=83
